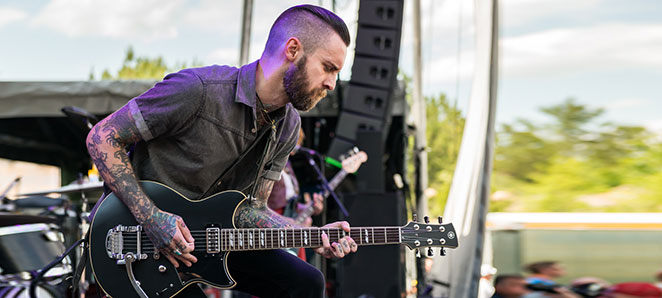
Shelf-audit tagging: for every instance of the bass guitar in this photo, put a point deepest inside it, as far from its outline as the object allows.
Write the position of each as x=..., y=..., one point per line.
x=126, y=264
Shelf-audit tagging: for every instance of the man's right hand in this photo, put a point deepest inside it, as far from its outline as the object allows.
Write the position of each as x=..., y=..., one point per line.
x=170, y=235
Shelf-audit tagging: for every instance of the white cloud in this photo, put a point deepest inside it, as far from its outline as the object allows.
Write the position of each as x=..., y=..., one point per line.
x=570, y=50
x=214, y=15
x=627, y=103
x=148, y=19
x=10, y=15
x=229, y=56
x=521, y=12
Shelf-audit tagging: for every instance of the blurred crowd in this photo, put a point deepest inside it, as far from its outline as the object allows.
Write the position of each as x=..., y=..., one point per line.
x=541, y=283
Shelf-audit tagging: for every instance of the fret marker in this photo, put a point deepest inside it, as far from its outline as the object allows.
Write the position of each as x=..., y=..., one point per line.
x=240, y=239
x=282, y=238
x=232, y=239
x=262, y=239
x=250, y=239
x=365, y=231
x=305, y=237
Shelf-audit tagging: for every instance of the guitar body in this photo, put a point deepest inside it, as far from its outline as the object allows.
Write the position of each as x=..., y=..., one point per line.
x=217, y=209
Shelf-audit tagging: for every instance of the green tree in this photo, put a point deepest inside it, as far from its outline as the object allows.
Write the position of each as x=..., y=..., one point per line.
x=576, y=163
x=521, y=152
x=146, y=68
x=445, y=124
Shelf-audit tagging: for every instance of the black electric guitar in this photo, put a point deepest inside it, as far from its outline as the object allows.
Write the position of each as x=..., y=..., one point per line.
x=125, y=263
x=350, y=165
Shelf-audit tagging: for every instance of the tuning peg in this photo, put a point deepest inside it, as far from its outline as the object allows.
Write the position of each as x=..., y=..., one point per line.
x=442, y=252
x=426, y=219
x=414, y=217
x=418, y=253
x=440, y=220
x=430, y=252
x=355, y=149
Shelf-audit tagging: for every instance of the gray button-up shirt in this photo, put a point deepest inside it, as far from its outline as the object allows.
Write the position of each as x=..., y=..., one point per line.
x=197, y=122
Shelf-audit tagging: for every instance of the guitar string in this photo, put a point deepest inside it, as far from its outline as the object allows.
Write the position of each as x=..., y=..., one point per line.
x=376, y=239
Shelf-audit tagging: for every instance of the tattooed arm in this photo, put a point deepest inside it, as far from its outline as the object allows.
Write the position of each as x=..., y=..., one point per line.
x=256, y=214
x=106, y=144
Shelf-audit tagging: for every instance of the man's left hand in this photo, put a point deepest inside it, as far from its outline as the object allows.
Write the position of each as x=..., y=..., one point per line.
x=338, y=249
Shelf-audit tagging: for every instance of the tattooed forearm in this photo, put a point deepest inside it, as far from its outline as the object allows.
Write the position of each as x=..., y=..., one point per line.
x=256, y=214
x=106, y=144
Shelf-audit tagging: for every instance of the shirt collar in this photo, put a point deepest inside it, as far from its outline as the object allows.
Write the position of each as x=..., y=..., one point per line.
x=246, y=85
x=247, y=94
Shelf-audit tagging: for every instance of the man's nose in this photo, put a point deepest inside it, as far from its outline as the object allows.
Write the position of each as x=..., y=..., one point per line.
x=330, y=83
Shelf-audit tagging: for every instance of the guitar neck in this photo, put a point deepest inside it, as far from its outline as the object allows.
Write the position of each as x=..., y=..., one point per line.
x=335, y=181
x=257, y=239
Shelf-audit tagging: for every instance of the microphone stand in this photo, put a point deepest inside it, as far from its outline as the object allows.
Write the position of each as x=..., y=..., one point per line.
x=325, y=184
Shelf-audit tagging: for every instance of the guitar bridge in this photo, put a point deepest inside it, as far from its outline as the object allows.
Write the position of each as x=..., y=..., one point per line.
x=115, y=243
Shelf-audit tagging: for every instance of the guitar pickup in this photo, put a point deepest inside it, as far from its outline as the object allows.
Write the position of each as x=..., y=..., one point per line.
x=213, y=236
x=122, y=240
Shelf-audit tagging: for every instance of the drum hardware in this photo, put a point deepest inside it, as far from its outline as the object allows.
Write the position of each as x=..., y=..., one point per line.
x=3, y=195
x=82, y=187
x=40, y=273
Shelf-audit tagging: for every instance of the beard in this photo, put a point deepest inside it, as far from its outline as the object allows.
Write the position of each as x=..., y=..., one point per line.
x=296, y=87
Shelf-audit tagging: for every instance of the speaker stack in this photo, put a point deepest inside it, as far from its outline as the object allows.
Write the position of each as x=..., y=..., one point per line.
x=365, y=121
x=366, y=104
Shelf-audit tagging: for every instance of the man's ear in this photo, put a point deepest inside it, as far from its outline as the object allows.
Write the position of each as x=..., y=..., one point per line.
x=293, y=49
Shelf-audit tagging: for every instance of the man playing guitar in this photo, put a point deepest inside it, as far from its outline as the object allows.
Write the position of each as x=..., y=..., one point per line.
x=196, y=123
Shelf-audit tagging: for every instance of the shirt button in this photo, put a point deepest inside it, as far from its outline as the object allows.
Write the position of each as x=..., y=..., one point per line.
x=253, y=130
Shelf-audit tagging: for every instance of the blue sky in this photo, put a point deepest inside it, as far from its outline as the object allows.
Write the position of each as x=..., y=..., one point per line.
x=604, y=53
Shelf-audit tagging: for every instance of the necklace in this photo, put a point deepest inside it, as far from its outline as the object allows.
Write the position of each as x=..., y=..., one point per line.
x=265, y=114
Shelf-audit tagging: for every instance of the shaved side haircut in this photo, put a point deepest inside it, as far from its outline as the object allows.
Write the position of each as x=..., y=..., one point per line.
x=312, y=25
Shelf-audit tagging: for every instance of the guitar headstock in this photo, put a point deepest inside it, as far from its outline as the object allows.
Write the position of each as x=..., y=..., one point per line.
x=419, y=235
x=353, y=160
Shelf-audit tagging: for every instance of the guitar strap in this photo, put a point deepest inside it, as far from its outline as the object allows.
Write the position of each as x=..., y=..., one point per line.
x=219, y=180
x=267, y=149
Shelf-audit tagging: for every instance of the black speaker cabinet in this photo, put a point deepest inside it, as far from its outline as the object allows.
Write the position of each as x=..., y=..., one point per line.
x=373, y=271
x=367, y=101
x=370, y=177
x=386, y=14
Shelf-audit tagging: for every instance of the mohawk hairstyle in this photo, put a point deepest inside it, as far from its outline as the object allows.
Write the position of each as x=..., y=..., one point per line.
x=312, y=25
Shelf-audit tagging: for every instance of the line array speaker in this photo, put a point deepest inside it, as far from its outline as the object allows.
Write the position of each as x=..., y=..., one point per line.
x=367, y=103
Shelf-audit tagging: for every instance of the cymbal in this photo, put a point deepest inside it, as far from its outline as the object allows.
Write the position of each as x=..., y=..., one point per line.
x=7, y=219
x=71, y=188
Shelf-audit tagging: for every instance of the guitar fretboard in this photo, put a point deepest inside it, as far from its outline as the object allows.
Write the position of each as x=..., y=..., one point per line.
x=255, y=239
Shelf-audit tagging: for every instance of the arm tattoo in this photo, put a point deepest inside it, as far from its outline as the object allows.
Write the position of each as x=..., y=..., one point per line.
x=256, y=214
x=106, y=144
